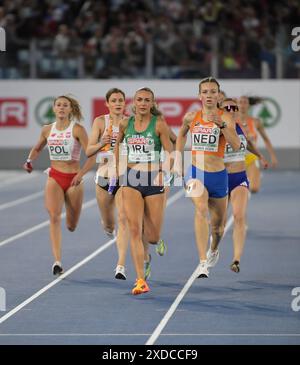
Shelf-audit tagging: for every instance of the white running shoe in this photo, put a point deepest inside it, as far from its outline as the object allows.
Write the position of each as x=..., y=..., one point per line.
x=203, y=270
x=57, y=268
x=212, y=257
x=120, y=272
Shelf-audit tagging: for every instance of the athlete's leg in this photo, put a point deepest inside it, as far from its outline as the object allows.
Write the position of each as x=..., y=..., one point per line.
x=199, y=196
x=106, y=206
x=217, y=210
x=54, y=201
x=123, y=231
x=153, y=218
x=253, y=173
x=73, y=200
x=166, y=194
x=147, y=259
x=134, y=210
x=239, y=202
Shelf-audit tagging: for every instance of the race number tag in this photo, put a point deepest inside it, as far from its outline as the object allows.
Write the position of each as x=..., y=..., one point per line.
x=59, y=146
x=140, y=149
x=232, y=156
x=205, y=139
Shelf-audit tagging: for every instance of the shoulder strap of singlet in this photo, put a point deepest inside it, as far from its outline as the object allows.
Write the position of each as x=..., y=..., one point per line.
x=106, y=120
x=196, y=117
x=53, y=125
x=239, y=129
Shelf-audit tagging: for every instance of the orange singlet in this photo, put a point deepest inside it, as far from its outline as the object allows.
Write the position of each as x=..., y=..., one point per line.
x=249, y=129
x=206, y=137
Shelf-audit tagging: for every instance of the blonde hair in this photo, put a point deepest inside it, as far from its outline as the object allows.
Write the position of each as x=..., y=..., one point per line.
x=75, y=106
x=154, y=109
x=228, y=99
x=209, y=79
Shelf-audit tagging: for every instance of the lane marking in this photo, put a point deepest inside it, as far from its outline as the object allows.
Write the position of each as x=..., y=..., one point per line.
x=156, y=333
x=175, y=197
x=25, y=199
x=19, y=178
x=35, y=228
x=70, y=271
x=163, y=334
x=32, y=196
x=56, y=281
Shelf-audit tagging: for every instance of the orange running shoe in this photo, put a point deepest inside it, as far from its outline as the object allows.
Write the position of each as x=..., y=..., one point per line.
x=140, y=287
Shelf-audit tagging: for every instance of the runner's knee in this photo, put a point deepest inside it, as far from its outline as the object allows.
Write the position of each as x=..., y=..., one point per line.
x=55, y=218
x=201, y=212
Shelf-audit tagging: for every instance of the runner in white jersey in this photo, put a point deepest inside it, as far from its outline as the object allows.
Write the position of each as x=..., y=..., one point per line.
x=64, y=139
x=238, y=184
x=101, y=143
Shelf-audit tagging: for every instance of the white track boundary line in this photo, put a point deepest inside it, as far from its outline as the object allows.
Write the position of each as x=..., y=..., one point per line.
x=156, y=333
x=56, y=281
x=28, y=197
x=19, y=178
x=86, y=205
x=175, y=197
x=147, y=334
x=71, y=270
x=25, y=199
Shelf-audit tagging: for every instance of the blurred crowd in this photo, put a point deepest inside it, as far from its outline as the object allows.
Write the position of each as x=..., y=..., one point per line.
x=148, y=38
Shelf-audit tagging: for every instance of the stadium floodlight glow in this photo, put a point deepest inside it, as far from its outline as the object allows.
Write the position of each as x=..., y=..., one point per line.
x=2, y=40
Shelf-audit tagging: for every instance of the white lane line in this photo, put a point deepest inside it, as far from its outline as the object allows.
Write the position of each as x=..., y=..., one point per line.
x=88, y=204
x=56, y=281
x=175, y=197
x=73, y=334
x=178, y=299
x=19, y=178
x=21, y=200
x=28, y=197
x=68, y=272
x=147, y=334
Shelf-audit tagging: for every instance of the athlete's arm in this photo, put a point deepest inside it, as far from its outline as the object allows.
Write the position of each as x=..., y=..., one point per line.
x=163, y=132
x=80, y=134
x=172, y=135
x=183, y=131
x=268, y=144
x=36, y=150
x=97, y=140
x=122, y=129
x=253, y=149
x=229, y=131
x=181, y=141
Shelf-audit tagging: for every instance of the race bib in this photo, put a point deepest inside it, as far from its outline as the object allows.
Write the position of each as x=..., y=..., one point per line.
x=205, y=139
x=232, y=156
x=140, y=149
x=59, y=149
